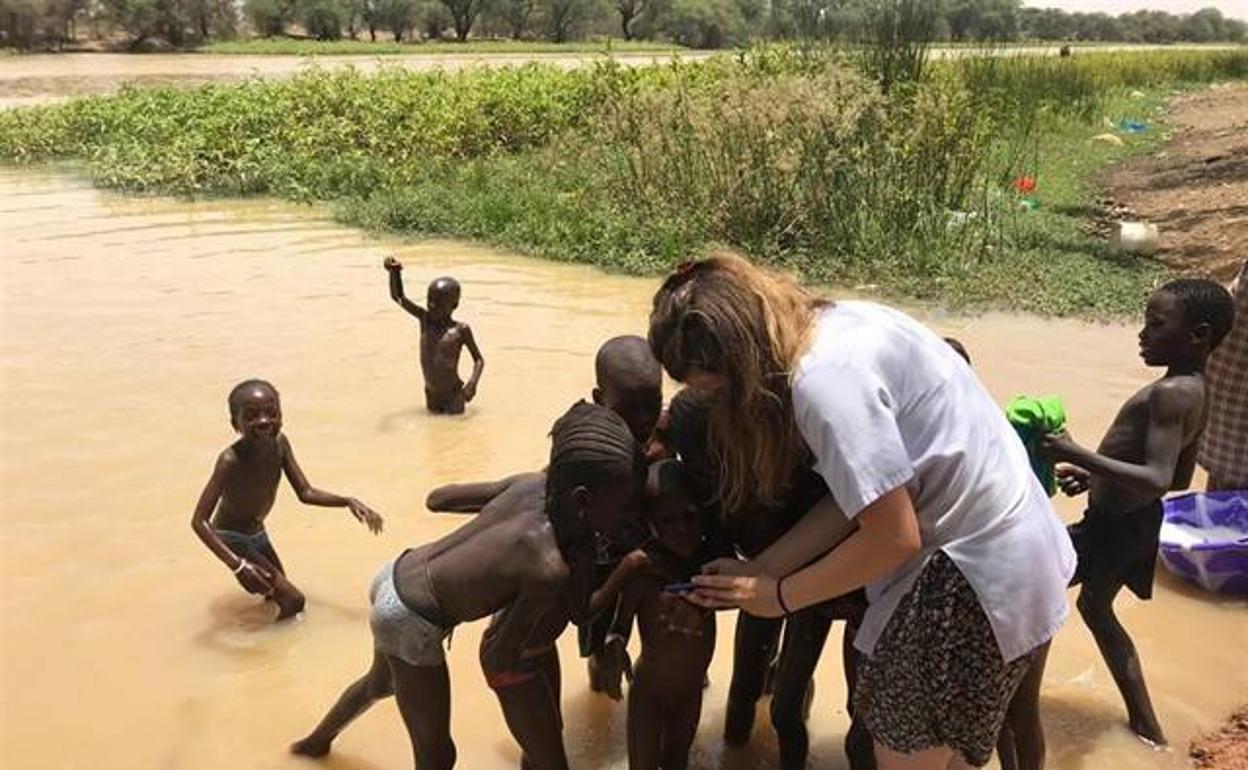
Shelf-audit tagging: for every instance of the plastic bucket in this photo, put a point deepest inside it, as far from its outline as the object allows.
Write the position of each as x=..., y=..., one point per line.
x=1204, y=539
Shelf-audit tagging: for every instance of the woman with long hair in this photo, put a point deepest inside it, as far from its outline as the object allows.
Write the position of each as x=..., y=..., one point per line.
x=933, y=506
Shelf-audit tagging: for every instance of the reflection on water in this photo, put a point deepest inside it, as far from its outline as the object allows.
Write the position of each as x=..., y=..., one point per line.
x=123, y=644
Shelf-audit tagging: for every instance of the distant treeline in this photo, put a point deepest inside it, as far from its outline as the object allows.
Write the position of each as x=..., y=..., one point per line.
x=137, y=24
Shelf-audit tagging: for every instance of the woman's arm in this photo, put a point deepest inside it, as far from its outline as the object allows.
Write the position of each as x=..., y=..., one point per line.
x=888, y=535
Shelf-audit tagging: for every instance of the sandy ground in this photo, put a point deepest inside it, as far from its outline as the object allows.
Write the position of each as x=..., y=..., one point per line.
x=1196, y=188
x=1226, y=749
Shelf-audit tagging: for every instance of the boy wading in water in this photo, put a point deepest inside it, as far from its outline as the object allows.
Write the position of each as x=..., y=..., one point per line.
x=677, y=638
x=240, y=493
x=441, y=340
x=530, y=549
x=1149, y=450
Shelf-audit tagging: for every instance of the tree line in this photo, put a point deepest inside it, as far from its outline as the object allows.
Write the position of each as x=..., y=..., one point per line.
x=695, y=23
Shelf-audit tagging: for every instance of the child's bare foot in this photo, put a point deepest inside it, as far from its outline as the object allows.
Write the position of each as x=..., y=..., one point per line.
x=312, y=746
x=1149, y=732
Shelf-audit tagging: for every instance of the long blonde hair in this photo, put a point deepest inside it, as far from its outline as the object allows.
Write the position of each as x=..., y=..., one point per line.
x=749, y=325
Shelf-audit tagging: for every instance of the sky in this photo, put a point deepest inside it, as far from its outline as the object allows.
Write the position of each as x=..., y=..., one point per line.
x=1235, y=8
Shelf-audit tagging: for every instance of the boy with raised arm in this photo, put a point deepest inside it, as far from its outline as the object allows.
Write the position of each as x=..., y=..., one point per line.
x=241, y=490
x=530, y=552
x=441, y=340
x=1149, y=450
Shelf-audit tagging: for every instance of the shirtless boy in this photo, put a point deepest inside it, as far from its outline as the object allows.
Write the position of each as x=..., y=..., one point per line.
x=441, y=340
x=240, y=493
x=530, y=549
x=677, y=638
x=1149, y=450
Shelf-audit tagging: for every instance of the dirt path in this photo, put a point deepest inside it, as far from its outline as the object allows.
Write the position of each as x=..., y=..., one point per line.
x=1196, y=188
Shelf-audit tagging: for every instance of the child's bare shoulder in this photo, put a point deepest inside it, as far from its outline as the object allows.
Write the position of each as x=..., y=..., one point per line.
x=1183, y=394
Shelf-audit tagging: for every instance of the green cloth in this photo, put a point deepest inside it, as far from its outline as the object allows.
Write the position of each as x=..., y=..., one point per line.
x=1033, y=418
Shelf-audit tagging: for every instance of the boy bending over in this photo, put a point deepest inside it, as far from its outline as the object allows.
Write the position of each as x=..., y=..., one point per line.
x=241, y=490
x=1149, y=450
x=530, y=549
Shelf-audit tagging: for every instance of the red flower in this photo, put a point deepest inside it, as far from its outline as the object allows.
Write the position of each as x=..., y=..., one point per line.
x=1025, y=185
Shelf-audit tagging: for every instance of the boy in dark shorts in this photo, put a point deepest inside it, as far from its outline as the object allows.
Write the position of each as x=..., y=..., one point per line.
x=441, y=340
x=1149, y=450
x=677, y=638
x=241, y=490
x=530, y=552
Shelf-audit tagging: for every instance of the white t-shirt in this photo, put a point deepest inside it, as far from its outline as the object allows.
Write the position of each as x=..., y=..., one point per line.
x=883, y=402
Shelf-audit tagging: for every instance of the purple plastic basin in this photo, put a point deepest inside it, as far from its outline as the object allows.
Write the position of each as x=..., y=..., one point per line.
x=1204, y=539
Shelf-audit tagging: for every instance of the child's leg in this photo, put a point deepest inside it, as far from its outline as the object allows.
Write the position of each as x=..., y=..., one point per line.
x=1096, y=605
x=535, y=718
x=355, y=700
x=1021, y=745
x=753, y=649
x=679, y=729
x=645, y=720
x=290, y=600
x=859, y=747
x=424, y=697
x=804, y=635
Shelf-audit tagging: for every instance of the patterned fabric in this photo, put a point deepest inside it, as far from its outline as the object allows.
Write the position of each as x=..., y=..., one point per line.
x=400, y=632
x=1224, y=447
x=937, y=677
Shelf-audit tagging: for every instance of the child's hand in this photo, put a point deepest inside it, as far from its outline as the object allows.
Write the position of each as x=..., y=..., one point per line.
x=614, y=667
x=1072, y=479
x=637, y=559
x=1057, y=446
x=470, y=391
x=256, y=578
x=392, y=264
x=365, y=515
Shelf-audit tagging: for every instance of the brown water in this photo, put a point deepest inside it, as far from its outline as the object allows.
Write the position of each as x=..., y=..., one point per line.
x=124, y=645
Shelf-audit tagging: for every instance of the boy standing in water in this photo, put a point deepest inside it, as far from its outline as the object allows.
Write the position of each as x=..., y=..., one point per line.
x=530, y=553
x=1149, y=450
x=240, y=493
x=677, y=638
x=441, y=340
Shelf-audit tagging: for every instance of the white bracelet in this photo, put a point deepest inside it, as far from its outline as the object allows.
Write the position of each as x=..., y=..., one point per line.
x=241, y=563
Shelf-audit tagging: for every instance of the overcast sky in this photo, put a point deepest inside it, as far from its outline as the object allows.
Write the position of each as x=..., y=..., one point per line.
x=1236, y=8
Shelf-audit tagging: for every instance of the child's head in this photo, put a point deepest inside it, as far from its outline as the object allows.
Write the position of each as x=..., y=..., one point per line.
x=255, y=409
x=630, y=383
x=596, y=473
x=1184, y=321
x=442, y=297
x=671, y=509
x=958, y=348
x=688, y=428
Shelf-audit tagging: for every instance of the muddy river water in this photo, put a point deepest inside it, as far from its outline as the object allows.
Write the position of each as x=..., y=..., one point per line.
x=125, y=646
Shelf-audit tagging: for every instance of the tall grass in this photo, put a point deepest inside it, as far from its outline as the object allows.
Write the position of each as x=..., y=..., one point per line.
x=791, y=155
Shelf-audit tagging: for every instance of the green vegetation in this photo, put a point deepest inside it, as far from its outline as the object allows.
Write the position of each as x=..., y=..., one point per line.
x=292, y=47
x=797, y=156
x=699, y=23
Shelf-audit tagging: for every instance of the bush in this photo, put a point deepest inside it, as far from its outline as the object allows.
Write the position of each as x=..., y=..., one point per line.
x=322, y=19
x=705, y=23
x=268, y=17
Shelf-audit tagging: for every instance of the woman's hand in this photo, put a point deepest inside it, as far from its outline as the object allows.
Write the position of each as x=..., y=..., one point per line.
x=756, y=594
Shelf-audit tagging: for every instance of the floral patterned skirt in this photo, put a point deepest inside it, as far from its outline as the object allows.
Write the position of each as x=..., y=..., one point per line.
x=937, y=676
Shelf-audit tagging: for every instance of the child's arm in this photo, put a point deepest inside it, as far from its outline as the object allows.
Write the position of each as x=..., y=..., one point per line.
x=628, y=567
x=615, y=664
x=395, y=269
x=1168, y=409
x=254, y=576
x=470, y=498
x=478, y=363
x=310, y=495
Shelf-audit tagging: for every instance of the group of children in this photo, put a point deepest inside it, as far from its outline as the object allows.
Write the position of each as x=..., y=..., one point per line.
x=608, y=535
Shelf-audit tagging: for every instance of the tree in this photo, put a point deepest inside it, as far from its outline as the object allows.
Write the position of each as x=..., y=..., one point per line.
x=515, y=15
x=398, y=16
x=629, y=10
x=705, y=23
x=565, y=17
x=464, y=14
x=268, y=17
x=322, y=19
